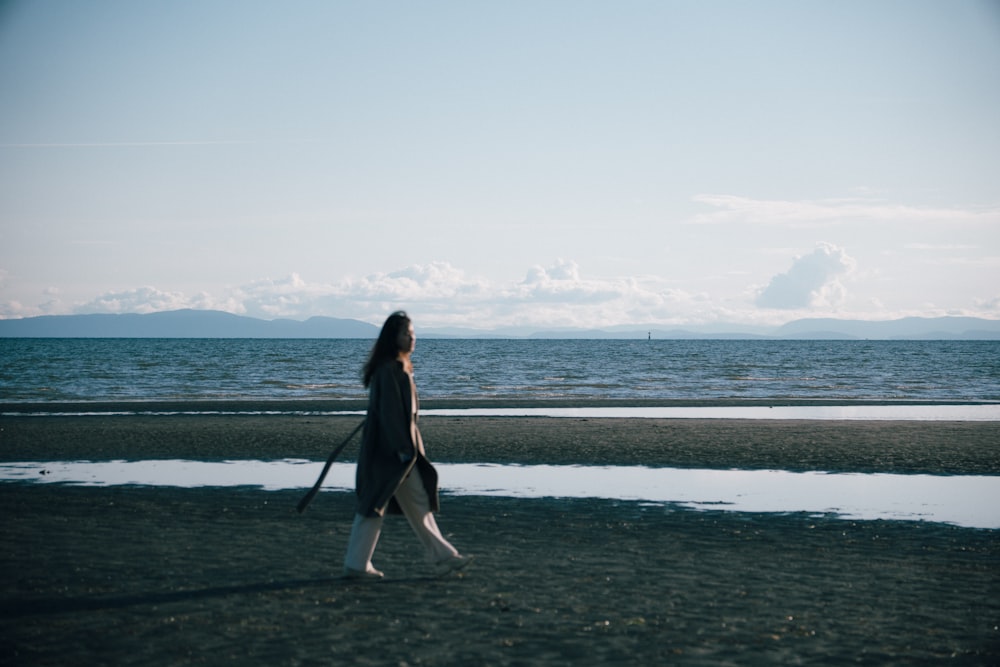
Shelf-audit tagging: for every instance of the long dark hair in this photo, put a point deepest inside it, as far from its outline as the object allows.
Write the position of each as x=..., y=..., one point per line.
x=386, y=348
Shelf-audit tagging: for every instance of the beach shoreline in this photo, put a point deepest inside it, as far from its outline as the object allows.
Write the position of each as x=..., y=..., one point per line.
x=904, y=447
x=130, y=575
x=320, y=406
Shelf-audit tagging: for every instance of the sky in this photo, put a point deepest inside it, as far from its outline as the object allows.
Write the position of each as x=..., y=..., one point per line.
x=490, y=164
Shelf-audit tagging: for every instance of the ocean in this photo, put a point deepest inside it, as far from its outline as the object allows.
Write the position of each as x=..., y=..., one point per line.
x=43, y=370
x=935, y=380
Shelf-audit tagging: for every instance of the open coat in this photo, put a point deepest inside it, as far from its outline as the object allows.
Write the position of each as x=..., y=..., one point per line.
x=390, y=436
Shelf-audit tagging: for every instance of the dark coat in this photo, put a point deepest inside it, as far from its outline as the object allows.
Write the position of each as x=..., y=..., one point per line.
x=390, y=431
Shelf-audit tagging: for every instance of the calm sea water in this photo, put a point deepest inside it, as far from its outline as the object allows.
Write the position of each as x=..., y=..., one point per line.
x=55, y=370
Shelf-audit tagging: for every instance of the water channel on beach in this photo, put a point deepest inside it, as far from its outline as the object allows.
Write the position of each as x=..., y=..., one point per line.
x=965, y=500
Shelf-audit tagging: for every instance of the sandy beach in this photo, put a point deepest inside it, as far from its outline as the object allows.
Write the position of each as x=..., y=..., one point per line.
x=909, y=447
x=165, y=576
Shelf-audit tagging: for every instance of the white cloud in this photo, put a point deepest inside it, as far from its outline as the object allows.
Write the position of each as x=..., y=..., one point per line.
x=985, y=262
x=944, y=247
x=810, y=282
x=989, y=305
x=825, y=212
x=140, y=300
x=562, y=283
x=15, y=309
x=437, y=281
x=439, y=294
x=269, y=298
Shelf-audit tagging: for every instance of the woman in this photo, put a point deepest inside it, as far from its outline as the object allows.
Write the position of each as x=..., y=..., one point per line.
x=393, y=472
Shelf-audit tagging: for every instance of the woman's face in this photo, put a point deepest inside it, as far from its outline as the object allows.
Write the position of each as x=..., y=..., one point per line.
x=406, y=340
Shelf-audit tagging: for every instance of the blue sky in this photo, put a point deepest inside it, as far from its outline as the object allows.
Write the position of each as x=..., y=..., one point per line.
x=518, y=163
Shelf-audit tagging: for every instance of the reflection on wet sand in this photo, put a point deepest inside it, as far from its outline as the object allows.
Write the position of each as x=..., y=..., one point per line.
x=965, y=500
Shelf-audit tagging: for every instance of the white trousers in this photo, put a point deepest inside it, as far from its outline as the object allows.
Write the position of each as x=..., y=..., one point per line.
x=412, y=499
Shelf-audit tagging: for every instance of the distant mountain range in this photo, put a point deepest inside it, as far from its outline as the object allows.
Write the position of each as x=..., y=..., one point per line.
x=182, y=324
x=217, y=324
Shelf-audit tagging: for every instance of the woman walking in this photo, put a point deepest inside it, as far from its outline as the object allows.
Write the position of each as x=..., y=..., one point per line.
x=393, y=474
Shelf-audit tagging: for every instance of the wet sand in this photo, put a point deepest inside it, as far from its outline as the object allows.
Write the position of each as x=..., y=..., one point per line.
x=908, y=447
x=127, y=575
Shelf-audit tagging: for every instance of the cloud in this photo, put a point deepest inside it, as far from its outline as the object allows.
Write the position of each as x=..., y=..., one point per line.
x=13, y=309
x=437, y=281
x=811, y=282
x=562, y=283
x=140, y=300
x=939, y=246
x=436, y=287
x=439, y=294
x=989, y=305
x=826, y=212
x=266, y=298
